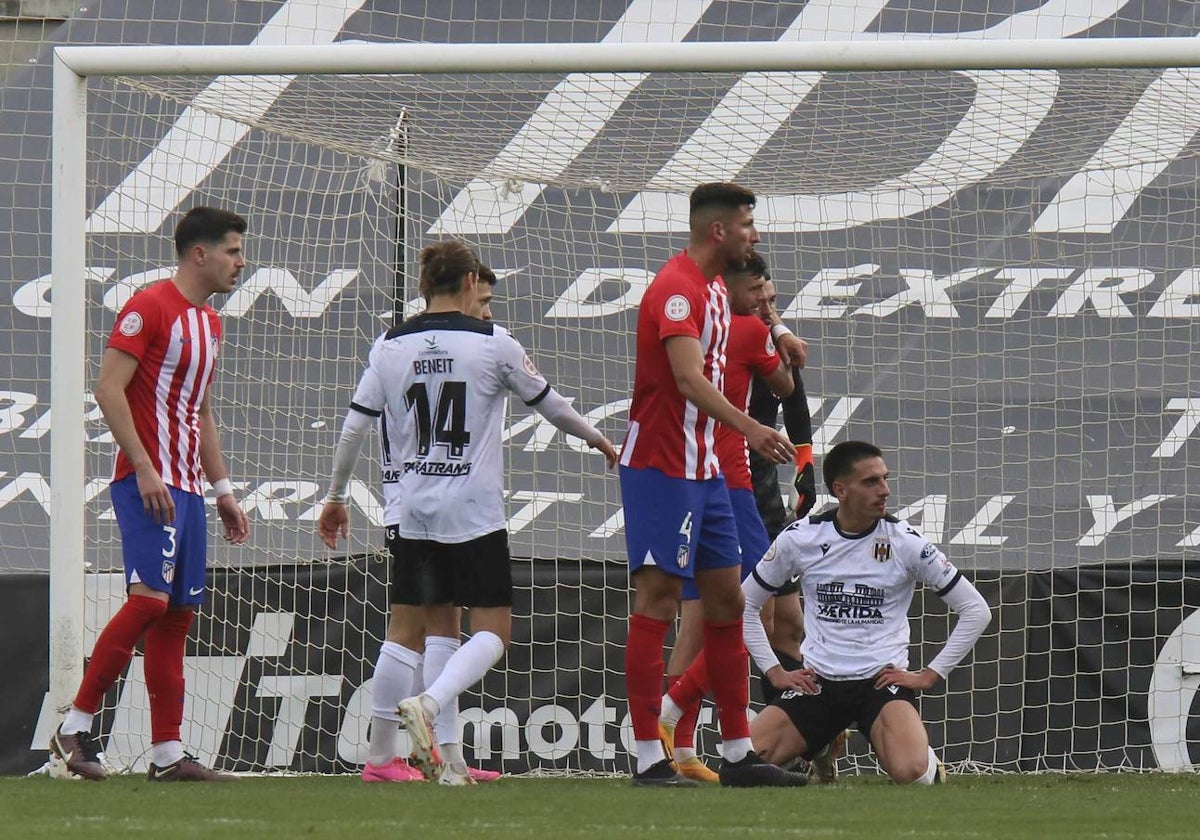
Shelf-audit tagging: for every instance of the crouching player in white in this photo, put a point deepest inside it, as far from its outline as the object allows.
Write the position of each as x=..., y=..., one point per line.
x=858, y=568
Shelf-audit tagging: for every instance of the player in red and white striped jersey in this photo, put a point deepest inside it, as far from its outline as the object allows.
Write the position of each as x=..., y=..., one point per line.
x=678, y=519
x=153, y=390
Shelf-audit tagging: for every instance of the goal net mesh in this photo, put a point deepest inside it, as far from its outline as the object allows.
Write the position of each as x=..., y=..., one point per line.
x=925, y=231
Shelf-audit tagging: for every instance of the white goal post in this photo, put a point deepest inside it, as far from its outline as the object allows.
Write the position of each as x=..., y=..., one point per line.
x=74, y=66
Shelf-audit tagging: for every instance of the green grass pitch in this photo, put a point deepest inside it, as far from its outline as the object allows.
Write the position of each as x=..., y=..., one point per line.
x=1043, y=806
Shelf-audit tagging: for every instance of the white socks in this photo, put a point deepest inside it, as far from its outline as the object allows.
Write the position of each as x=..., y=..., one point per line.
x=76, y=721
x=166, y=753
x=438, y=651
x=464, y=668
x=931, y=771
x=649, y=753
x=734, y=750
x=670, y=712
x=395, y=673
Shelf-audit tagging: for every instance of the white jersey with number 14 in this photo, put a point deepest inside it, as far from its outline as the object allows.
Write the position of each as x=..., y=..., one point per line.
x=442, y=379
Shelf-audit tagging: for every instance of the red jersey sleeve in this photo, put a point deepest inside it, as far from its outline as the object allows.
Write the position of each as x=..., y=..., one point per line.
x=678, y=307
x=136, y=326
x=764, y=358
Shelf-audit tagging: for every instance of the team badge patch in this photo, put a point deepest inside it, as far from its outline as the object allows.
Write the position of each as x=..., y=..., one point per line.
x=882, y=551
x=131, y=324
x=168, y=571
x=677, y=308
x=927, y=551
x=770, y=348
x=681, y=556
x=530, y=367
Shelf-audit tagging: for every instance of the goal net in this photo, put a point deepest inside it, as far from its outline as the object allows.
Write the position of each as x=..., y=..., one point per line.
x=994, y=269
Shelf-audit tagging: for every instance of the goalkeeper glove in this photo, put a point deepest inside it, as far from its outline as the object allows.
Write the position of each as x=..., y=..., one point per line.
x=804, y=488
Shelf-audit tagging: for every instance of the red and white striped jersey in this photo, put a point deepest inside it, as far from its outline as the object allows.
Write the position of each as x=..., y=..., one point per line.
x=751, y=353
x=175, y=344
x=666, y=431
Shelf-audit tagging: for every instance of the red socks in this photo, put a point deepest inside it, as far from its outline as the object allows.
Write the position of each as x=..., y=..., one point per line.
x=644, y=670
x=729, y=671
x=165, y=640
x=685, y=729
x=693, y=684
x=114, y=649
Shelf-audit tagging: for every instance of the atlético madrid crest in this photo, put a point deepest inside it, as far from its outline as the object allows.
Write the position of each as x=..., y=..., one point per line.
x=883, y=551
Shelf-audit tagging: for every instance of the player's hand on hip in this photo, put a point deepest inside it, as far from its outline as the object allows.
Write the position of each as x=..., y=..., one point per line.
x=771, y=444
x=609, y=451
x=156, y=496
x=793, y=349
x=237, y=524
x=916, y=680
x=334, y=520
x=803, y=680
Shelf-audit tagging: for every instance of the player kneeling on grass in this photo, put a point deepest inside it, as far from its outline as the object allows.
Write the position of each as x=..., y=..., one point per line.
x=858, y=568
x=442, y=377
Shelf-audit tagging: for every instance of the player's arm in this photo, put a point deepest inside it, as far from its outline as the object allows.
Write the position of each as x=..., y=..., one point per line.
x=554, y=407
x=780, y=380
x=973, y=616
x=212, y=462
x=798, y=422
x=757, y=589
x=687, y=366
x=519, y=374
x=335, y=515
x=116, y=372
x=792, y=348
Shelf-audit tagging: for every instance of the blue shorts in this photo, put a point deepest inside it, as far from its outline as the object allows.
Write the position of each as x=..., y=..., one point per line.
x=168, y=558
x=677, y=524
x=752, y=536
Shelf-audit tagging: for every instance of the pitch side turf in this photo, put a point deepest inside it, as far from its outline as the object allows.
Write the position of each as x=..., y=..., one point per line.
x=1105, y=806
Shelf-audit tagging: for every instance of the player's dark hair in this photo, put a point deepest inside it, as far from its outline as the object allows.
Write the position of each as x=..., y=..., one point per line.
x=486, y=275
x=444, y=265
x=839, y=462
x=205, y=225
x=711, y=202
x=755, y=266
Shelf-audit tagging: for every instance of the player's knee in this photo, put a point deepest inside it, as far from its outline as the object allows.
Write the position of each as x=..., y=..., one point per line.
x=908, y=770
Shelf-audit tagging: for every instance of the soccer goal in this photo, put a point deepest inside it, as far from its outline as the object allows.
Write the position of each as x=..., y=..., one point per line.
x=990, y=246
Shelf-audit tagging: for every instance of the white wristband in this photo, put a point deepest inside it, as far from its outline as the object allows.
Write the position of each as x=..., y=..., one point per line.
x=778, y=331
x=222, y=487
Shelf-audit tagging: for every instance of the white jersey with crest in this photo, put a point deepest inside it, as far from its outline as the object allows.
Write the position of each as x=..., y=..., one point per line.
x=857, y=590
x=442, y=378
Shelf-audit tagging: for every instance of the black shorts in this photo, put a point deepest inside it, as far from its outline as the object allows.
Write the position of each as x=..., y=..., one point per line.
x=476, y=573
x=840, y=703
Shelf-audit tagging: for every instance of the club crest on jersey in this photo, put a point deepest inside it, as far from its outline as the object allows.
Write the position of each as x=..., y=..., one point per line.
x=131, y=324
x=677, y=308
x=770, y=348
x=882, y=551
x=168, y=571
x=681, y=556
x=530, y=367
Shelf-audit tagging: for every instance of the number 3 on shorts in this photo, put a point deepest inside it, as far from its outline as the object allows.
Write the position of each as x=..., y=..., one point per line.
x=171, y=547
